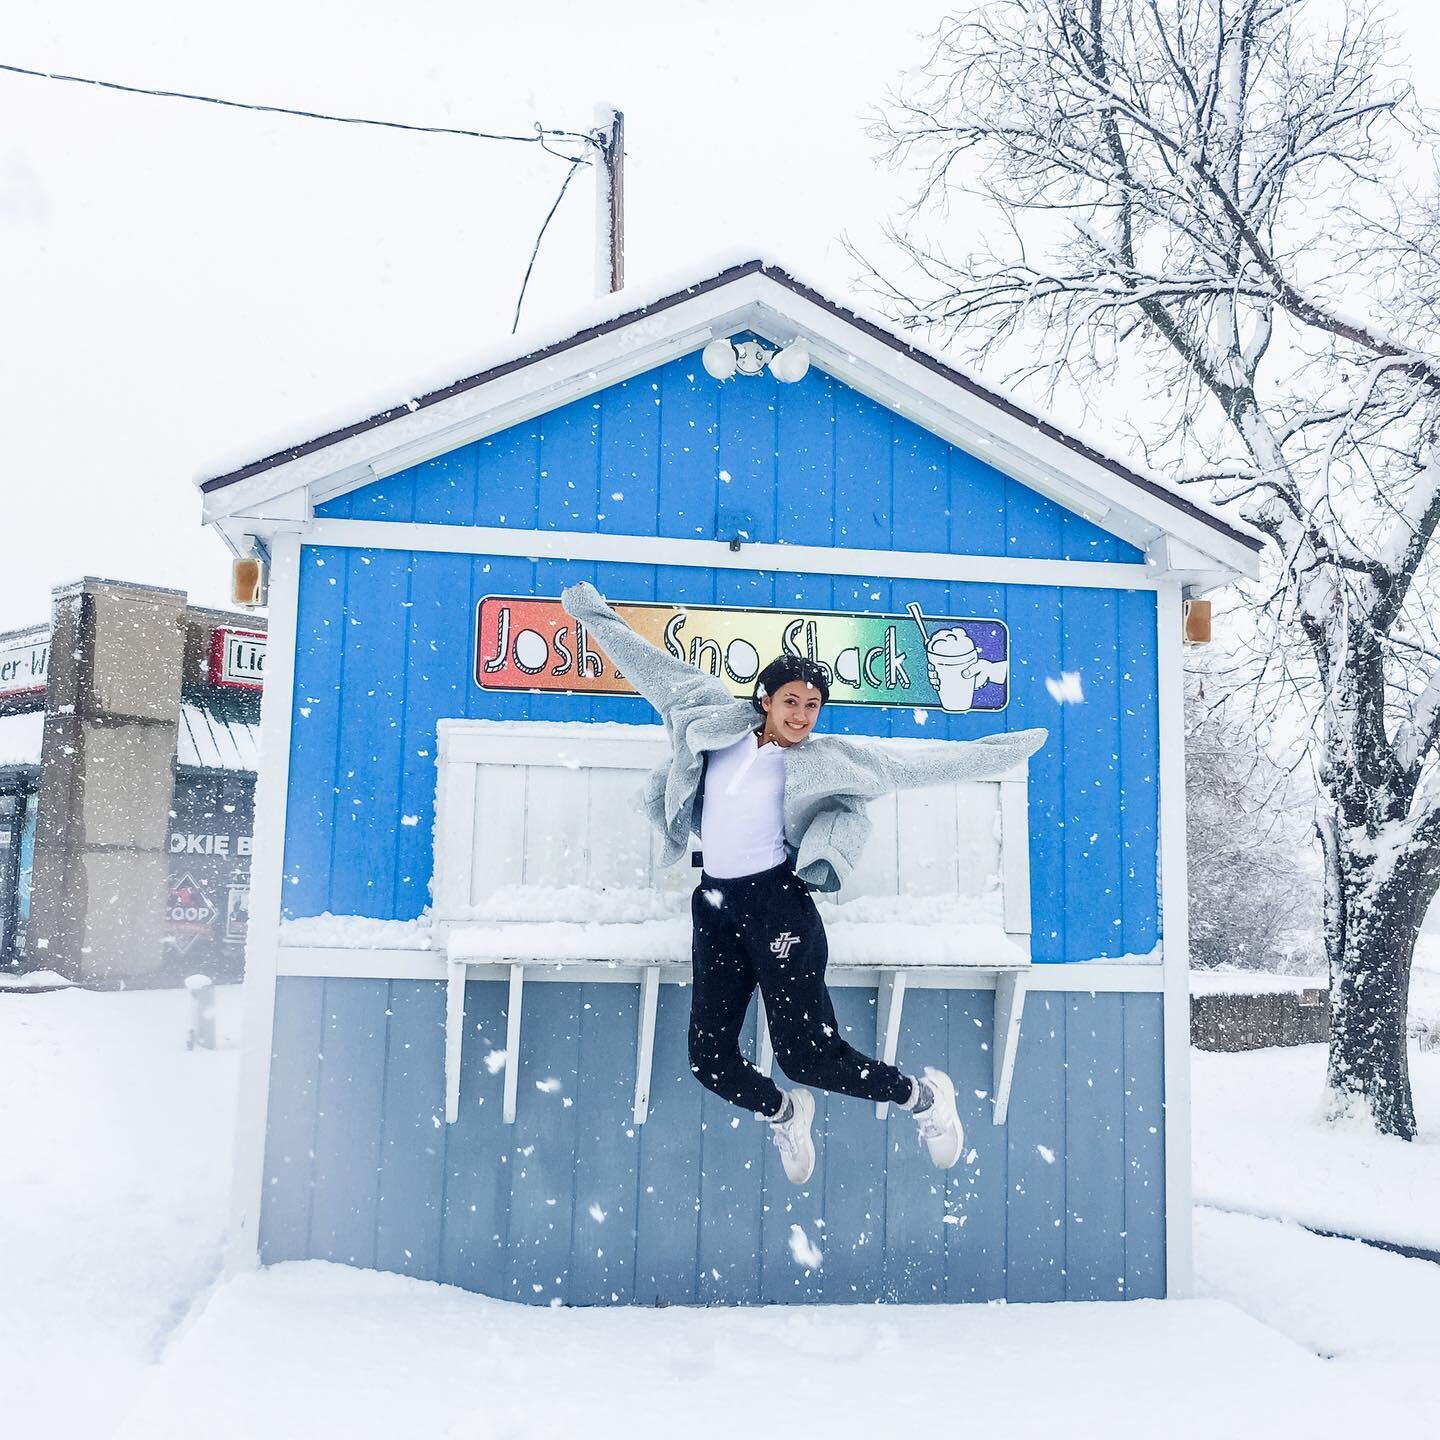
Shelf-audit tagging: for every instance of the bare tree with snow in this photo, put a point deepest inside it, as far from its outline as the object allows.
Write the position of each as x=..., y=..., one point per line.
x=1209, y=201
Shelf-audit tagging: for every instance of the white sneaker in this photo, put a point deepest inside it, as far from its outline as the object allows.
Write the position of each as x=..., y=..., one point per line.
x=939, y=1122
x=792, y=1137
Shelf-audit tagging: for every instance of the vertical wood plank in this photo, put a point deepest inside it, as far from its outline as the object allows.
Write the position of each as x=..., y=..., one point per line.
x=805, y=462
x=667, y=1240
x=687, y=479
x=914, y=1188
x=290, y=1124
x=498, y=836
x=569, y=465
x=368, y=761
x=928, y=840
x=1035, y=1226
x=1095, y=1148
x=607, y=1152
x=1093, y=901
x=628, y=499
x=347, y=1122
x=437, y=676
x=314, y=730
x=557, y=817
x=731, y=1169
x=1034, y=619
x=620, y=838
x=1144, y=1062
x=477, y=1155
x=543, y=1146
x=1139, y=771
x=862, y=471
x=410, y=1212
x=507, y=471
x=975, y=1193
x=851, y=1177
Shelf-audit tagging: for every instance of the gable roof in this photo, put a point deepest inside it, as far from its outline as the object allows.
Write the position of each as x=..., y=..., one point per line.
x=761, y=297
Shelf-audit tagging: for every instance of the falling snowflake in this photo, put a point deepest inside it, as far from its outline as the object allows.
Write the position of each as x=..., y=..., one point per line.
x=1067, y=690
x=806, y=1253
x=495, y=1061
x=550, y=1085
x=596, y=1213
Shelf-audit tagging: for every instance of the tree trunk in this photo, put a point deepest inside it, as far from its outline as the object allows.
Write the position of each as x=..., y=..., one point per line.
x=1369, y=1068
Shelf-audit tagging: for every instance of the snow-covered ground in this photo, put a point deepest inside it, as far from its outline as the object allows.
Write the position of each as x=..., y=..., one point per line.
x=1260, y=1147
x=113, y=1188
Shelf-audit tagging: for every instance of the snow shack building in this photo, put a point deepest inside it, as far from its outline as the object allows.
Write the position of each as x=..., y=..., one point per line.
x=465, y=1056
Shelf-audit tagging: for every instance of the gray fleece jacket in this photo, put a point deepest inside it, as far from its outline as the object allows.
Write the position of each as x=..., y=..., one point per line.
x=828, y=778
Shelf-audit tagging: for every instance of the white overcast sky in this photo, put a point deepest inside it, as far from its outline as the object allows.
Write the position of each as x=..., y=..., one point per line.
x=184, y=286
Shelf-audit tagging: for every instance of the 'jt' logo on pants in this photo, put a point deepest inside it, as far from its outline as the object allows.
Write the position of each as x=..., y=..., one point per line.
x=783, y=944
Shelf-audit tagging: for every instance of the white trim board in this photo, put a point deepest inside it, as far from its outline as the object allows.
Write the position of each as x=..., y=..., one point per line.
x=750, y=301
x=1175, y=928
x=1091, y=977
x=717, y=555
x=262, y=946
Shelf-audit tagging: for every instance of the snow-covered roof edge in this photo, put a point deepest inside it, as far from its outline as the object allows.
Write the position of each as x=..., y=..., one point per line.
x=613, y=318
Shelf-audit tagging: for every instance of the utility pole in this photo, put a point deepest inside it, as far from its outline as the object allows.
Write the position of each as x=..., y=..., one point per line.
x=610, y=202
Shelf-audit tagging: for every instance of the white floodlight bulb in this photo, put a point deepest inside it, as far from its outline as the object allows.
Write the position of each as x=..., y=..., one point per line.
x=718, y=358
x=792, y=363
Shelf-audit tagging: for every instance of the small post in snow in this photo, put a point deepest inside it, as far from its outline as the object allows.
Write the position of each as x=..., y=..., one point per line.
x=202, y=1012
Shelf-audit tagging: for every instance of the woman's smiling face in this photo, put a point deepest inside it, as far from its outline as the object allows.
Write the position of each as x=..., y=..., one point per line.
x=791, y=712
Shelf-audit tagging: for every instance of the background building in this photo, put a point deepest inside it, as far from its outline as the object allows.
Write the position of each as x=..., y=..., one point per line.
x=128, y=730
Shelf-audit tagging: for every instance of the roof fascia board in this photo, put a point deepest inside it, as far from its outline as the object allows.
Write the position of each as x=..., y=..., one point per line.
x=758, y=302
x=897, y=380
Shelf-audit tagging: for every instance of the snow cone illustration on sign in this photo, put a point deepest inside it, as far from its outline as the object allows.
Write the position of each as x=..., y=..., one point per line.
x=913, y=660
x=957, y=668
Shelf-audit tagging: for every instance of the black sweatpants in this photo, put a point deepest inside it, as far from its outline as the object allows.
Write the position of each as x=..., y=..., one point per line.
x=764, y=930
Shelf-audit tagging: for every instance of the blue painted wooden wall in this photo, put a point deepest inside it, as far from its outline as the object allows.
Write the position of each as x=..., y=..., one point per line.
x=1065, y=1202
x=575, y=1204
x=386, y=651
x=385, y=637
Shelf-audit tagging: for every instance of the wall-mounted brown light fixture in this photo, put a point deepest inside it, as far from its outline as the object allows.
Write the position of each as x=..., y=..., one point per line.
x=1197, y=622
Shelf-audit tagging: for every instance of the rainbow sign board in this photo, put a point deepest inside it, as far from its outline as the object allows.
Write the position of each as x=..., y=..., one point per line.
x=956, y=665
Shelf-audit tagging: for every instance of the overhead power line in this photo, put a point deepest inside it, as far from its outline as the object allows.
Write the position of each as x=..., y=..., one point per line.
x=607, y=143
x=539, y=136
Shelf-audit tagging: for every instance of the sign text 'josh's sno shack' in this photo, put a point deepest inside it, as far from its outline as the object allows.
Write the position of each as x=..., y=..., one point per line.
x=957, y=665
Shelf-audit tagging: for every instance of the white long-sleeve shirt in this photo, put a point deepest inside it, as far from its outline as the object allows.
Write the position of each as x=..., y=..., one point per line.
x=742, y=822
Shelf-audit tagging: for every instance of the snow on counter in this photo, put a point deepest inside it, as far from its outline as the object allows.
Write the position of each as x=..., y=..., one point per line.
x=572, y=923
x=354, y=932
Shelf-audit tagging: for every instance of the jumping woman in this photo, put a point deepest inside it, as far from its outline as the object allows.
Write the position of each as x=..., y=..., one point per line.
x=780, y=812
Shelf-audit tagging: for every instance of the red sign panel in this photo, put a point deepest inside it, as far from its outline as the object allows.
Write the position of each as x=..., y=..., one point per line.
x=237, y=659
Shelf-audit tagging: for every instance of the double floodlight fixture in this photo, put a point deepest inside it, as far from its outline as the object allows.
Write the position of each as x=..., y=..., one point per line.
x=724, y=358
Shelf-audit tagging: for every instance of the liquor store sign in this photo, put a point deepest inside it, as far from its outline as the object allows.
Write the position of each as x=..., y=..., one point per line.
x=914, y=660
x=237, y=659
x=24, y=664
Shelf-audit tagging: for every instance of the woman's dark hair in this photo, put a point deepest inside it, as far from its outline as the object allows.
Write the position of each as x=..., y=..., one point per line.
x=785, y=668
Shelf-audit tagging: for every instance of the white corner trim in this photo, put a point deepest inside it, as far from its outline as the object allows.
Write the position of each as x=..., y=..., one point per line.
x=1005, y=1042
x=717, y=555
x=262, y=947
x=454, y=1036
x=889, y=1007
x=1175, y=930
x=645, y=1042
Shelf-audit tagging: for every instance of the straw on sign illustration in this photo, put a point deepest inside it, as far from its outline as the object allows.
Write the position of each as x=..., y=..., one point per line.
x=954, y=663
